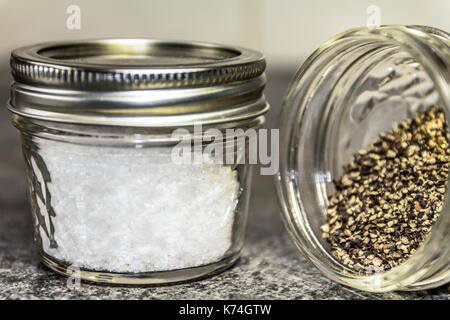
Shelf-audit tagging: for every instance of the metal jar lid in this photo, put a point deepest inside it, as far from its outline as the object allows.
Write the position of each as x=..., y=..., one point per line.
x=137, y=82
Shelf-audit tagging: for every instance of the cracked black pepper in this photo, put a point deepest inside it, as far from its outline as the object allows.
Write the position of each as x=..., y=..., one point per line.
x=390, y=195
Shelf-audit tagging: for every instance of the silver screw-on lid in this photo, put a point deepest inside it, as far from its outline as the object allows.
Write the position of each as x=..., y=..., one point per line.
x=137, y=82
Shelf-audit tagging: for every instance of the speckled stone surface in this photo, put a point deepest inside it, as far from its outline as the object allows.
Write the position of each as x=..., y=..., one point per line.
x=270, y=268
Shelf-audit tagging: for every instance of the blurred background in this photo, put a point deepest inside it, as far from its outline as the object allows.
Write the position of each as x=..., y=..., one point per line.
x=285, y=30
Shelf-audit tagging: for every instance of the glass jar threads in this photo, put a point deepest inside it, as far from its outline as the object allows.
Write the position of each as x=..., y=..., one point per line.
x=362, y=180
x=103, y=124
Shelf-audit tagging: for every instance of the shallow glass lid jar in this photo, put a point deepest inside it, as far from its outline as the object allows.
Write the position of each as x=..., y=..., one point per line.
x=356, y=87
x=123, y=142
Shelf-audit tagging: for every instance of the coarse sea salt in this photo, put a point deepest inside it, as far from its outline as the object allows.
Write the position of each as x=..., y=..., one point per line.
x=134, y=210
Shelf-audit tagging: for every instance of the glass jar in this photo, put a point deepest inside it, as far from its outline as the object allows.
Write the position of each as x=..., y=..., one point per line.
x=115, y=134
x=355, y=86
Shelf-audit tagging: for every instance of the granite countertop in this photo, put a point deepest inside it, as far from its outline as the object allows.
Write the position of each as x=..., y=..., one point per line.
x=270, y=267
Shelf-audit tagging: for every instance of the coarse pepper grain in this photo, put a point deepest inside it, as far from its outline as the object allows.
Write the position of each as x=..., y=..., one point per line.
x=390, y=195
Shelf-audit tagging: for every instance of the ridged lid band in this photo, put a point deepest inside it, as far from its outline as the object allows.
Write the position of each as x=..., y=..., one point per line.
x=137, y=82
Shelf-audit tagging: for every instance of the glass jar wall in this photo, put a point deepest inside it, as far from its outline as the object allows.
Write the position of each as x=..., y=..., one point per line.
x=116, y=204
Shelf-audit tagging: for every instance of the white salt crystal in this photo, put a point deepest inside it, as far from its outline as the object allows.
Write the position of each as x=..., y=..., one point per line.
x=133, y=210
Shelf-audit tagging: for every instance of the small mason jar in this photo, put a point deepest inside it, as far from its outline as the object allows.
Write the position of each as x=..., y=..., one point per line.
x=352, y=88
x=115, y=134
